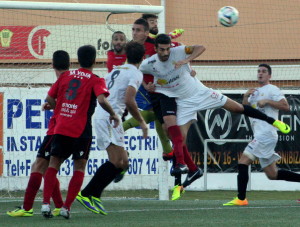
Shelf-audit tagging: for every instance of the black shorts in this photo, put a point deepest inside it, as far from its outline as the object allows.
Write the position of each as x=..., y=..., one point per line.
x=45, y=148
x=163, y=106
x=64, y=146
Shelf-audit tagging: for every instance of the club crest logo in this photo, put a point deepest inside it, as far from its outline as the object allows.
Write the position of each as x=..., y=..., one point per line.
x=5, y=37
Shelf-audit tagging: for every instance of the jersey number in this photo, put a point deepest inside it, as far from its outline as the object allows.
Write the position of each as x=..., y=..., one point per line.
x=114, y=75
x=72, y=89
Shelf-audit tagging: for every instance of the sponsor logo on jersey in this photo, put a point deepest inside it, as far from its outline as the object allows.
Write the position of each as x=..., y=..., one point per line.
x=80, y=73
x=162, y=82
x=151, y=62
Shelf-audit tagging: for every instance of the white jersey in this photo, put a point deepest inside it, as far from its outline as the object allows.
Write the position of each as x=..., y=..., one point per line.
x=263, y=130
x=170, y=81
x=117, y=82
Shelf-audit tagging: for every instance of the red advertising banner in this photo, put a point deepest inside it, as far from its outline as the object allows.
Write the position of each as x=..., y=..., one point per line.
x=22, y=42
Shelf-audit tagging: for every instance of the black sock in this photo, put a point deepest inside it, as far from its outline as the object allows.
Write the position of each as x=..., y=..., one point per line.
x=254, y=113
x=178, y=176
x=119, y=170
x=177, y=179
x=103, y=177
x=242, y=180
x=288, y=175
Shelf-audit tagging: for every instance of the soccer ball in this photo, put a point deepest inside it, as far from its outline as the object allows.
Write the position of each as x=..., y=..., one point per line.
x=228, y=16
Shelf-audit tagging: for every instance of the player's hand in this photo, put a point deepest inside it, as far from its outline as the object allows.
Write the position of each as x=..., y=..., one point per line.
x=144, y=129
x=46, y=106
x=115, y=120
x=250, y=92
x=262, y=103
x=180, y=63
x=150, y=87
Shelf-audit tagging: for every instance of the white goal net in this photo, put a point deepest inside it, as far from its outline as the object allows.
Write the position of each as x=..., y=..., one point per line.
x=30, y=32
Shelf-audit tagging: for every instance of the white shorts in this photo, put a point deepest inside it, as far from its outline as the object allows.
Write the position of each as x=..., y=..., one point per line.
x=107, y=134
x=264, y=151
x=187, y=108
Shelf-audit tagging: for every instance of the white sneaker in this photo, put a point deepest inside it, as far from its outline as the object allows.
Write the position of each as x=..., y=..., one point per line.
x=65, y=213
x=46, y=211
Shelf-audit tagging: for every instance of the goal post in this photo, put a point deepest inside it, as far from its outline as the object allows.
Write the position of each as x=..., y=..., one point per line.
x=30, y=37
x=91, y=7
x=57, y=6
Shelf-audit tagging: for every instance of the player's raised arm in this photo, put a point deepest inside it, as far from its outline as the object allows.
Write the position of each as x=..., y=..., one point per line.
x=247, y=95
x=193, y=51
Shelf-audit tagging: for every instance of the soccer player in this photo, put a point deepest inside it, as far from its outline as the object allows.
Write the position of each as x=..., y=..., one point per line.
x=60, y=64
x=267, y=99
x=172, y=78
x=116, y=56
x=140, y=34
x=73, y=97
x=123, y=83
x=165, y=108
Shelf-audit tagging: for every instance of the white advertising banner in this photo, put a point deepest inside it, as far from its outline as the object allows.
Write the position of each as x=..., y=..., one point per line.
x=25, y=125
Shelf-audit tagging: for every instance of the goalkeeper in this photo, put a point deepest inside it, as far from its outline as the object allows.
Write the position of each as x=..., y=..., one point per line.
x=147, y=112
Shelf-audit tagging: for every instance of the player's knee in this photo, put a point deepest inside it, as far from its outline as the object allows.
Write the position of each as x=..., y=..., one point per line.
x=40, y=165
x=125, y=164
x=79, y=165
x=33, y=167
x=118, y=163
x=272, y=176
x=238, y=108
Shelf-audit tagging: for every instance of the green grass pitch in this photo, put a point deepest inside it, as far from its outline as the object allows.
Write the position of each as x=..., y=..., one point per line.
x=133, y=208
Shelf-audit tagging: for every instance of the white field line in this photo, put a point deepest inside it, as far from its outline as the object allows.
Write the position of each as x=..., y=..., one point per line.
x=184, y=209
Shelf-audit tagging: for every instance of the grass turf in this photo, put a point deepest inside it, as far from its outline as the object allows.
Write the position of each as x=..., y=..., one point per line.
x=133, y=208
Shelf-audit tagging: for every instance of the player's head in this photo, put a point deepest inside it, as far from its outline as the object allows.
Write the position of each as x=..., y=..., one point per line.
x=163, y=46
x=152, y=21
x=118, y=41
x=61, y=60
x=86, y=56
x=140, y=30
x=134, y=52
x=264, y=73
